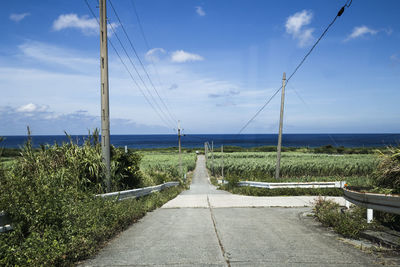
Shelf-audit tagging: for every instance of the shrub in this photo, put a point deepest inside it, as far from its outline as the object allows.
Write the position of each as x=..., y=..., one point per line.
x=232, y=181
x=387, y=219
x=74, y=231
x=125, y=169
x=49, y=196
x=348, y=224
x=388, y=172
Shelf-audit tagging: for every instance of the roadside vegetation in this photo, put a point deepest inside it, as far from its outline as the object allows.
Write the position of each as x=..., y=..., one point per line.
x=355, y=169
x=351, y=222
x=49, y=194
x=166, y=165
x=328, y=149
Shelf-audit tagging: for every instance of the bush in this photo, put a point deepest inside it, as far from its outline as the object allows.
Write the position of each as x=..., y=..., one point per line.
x=388, y=173
x=49, y=195
x=348, y=224
x=125, y=169
x=82, y=163
x=232, y=181
x=80, y=229
x=387, y=219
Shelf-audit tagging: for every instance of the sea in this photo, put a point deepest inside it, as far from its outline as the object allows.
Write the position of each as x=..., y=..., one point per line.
x=198, y=140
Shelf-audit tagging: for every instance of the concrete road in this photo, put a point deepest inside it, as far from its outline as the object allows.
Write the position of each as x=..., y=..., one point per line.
x=207, y=227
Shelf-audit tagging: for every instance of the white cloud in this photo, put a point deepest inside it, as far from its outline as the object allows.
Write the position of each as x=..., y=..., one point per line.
x=361, y=31
x=18, y=17
x=41, y=120
x=200, y=11
x=65, y=21
x=48, y=80
x=295, y=26
x=84, y=23
x=32, y=108
x=180, y=56
x=51, y=54
x=152, y=54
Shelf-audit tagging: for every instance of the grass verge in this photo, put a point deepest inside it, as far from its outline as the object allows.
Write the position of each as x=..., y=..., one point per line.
x=80, y=232
x=255, y=191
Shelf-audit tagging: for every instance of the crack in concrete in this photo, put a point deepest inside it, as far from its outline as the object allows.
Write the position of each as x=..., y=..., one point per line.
x=221, y=246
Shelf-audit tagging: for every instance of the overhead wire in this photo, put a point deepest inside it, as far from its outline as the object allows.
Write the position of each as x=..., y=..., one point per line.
x=127, y=69
x=138, y=74
x=141, y=63
x=148, y=48
x=309, y=108
x=346, y=5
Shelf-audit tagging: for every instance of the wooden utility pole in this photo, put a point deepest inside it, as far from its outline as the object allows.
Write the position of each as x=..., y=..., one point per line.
x=105, y=110
x=212, y=156
x=278, y=162
x=222, y=157
x=179, y=141
x=205, y=150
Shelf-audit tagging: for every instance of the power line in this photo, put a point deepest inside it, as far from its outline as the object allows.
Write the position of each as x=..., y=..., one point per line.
x=309, y=108
x=348, y=3
x=258, y=112
x=127, y=69
x=140, y=77
x=141, y=63
x=148, y=48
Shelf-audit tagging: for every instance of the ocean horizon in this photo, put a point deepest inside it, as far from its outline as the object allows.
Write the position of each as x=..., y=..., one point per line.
x=197, y=140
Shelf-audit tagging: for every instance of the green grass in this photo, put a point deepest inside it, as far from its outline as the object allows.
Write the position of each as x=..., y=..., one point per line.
x=356, y=169
x=167, y=163
x=254, y=191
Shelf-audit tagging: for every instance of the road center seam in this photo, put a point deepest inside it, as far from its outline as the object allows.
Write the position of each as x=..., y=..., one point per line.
x=221, y=246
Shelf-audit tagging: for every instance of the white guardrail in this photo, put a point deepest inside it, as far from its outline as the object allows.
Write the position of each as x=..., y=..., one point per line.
x=372, y=201
x=5, y=222
x=335, y=184
x=139, y=192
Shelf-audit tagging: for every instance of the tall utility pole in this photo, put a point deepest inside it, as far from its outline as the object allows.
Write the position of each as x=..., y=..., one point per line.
x=205, y=150
x=212, y=156
x=222, y=157
x=105, y=111
x=179, y=142
x=278, y=162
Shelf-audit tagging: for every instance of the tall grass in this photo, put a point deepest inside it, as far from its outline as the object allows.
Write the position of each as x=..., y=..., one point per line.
x=168, y=163
x=260, y=166
x=388, y=173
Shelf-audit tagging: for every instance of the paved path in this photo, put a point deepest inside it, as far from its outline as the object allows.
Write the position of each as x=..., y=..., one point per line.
x=207, y=227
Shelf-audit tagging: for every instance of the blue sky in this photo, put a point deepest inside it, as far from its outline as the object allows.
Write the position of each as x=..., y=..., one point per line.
x=214, y=63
